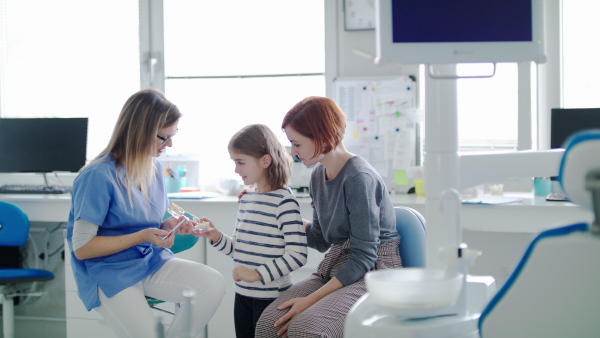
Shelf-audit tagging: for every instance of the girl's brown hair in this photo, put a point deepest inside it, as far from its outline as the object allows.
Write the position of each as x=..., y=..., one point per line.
x=257, y=140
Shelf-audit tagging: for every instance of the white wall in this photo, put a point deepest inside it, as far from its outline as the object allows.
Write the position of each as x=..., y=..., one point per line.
x=342, y=61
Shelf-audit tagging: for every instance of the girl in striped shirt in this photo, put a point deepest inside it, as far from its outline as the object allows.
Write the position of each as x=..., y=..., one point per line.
x=269, y=241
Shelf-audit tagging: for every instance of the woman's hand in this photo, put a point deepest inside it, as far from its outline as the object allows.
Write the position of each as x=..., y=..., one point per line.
x=298, y=305
x=187, y=227
x=108, y=245
x=154, y=236
x=242, y=194
x=242, y=273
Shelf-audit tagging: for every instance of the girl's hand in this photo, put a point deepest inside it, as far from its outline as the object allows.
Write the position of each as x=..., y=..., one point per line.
x=298, y=305
x=306, y=223
x=242, y=273
x=154, y=236
x=213, y=234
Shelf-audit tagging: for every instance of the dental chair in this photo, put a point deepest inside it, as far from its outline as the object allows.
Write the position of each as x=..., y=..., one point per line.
x=410, y=225
x=554, y=289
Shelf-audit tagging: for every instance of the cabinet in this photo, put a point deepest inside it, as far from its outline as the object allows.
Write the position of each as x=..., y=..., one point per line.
x=80, y=322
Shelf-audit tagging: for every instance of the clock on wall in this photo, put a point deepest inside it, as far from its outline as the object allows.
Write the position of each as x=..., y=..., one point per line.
x=359, y=15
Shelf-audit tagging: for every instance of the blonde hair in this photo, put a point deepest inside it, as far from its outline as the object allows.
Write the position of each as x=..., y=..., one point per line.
x=257, y=140
x=133, y=141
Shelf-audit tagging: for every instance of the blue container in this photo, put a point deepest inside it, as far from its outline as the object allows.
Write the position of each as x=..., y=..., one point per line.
x=542, y=186
x=175, y=184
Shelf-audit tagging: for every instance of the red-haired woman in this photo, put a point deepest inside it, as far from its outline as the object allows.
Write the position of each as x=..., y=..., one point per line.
x=353, y=218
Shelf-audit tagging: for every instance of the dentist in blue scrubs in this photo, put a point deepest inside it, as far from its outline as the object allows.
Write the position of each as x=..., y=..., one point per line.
x=116, y=227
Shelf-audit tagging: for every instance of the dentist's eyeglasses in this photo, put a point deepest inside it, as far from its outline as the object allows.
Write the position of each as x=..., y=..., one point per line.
x=166, y=139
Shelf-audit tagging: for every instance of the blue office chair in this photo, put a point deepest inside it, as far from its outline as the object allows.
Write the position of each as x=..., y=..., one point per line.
x=15, y=282
x=553, y=291
x=410, y=225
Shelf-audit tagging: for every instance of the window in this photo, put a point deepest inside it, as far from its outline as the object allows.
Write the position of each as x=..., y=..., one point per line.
x=580, y=50
x=61, y=59
x=228, y=64
x=497, y=125
x=236, y=62
x=488, y=107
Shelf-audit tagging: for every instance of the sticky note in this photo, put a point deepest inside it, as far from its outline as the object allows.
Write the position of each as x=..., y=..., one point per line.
x=400, y=177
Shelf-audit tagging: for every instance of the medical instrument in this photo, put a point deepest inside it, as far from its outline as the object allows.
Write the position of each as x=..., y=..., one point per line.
x=173, y=229
x=177, y=211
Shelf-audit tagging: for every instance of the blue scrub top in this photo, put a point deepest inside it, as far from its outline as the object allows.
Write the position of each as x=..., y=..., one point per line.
x=100, y=198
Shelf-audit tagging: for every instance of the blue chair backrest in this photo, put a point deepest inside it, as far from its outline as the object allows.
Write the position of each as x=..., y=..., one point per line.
x=410, y=225
x=183, y=242
x=14, y=225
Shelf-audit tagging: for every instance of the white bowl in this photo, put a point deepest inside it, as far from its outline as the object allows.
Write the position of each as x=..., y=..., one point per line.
x=413, y=287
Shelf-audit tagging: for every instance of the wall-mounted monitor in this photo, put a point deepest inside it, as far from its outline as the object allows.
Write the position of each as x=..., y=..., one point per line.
x=459, y=31
x=565, y=122
x=42, y=145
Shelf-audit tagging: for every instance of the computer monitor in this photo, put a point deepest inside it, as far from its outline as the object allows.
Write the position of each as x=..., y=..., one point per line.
x=458, y=31
x=42, y=145
x=564, y=122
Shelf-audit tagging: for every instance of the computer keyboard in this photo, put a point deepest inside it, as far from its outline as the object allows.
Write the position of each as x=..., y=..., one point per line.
x=556, y=196
x=34, y=189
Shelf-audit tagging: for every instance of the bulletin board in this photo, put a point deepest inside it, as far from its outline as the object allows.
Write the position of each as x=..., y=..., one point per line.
x=382, y=122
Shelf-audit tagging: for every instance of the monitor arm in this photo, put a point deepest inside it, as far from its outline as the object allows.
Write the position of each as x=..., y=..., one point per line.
x=592, y=183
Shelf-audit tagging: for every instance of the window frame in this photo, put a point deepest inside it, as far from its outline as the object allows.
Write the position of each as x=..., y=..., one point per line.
x=538, y=85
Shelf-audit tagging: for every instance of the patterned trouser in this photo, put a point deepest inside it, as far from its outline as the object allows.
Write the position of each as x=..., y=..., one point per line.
x=326, y=317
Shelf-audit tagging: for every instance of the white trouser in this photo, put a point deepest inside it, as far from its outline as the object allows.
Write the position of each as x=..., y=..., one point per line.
x=129, y=314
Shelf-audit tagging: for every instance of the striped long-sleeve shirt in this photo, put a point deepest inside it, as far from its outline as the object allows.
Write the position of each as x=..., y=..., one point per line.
x=269, y=238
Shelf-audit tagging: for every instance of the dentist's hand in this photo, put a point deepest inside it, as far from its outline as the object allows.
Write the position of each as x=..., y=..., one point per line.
x=154, y=236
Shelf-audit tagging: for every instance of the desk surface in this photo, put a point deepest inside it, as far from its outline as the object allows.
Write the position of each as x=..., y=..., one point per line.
x=532, y=215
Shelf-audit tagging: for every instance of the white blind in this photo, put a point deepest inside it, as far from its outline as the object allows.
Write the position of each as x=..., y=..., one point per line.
x=580, y=51
x=488, y=107
x=236, y=62
x=69, y=58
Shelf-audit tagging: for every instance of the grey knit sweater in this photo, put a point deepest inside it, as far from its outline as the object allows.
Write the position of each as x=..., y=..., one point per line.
x=355, y=205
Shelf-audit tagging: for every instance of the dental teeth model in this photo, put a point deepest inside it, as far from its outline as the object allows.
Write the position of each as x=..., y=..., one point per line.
x=177, y=211
x=200, y=226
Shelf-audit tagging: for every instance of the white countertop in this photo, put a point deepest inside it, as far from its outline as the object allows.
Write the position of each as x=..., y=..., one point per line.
x=532, y=215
